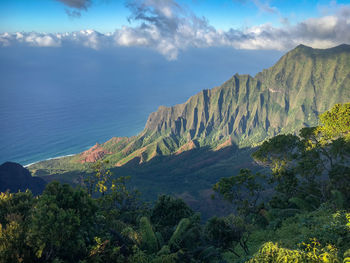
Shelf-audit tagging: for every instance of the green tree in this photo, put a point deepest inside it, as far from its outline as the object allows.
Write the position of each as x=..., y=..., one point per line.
x=243, y=190
x=226, y=233
x=167, y=213
x=100, y=178
x=312, y=253
x=279, y=154
x=15, y=210
x=186, y=235
x=62, y=224
x=121, y=203
x=310, y=166
x=149, y=241
x=335, y=123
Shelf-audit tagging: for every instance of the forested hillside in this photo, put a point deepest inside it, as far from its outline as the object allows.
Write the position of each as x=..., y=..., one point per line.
x=298, y=212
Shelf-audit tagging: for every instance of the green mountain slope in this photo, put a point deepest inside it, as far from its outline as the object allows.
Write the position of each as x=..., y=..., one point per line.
x=283, y=98
x=245, y=110
x=242, y=112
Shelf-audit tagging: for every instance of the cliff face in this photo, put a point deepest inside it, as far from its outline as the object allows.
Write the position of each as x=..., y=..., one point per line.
x=291, y=94
x=94, y=154
x=243, y=111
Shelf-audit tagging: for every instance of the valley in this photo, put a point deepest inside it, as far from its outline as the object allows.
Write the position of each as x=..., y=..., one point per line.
x=185, y=149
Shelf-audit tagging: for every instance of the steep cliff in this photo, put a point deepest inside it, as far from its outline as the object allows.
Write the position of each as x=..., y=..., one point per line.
x=283, y=98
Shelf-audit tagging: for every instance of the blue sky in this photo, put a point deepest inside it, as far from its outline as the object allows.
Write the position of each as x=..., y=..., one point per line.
x=108, y=15
x=172, y=26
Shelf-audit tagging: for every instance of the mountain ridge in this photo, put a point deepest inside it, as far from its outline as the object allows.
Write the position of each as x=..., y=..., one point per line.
x=265, y=86
x=243, y=111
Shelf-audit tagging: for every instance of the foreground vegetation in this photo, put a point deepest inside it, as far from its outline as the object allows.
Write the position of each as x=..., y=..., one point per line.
x=298, y=213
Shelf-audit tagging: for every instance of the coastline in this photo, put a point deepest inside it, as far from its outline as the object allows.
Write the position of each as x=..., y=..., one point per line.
x=53, y=158
x=58, y=157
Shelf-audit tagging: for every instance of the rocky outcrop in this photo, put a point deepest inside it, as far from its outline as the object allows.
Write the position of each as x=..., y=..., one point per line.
x=187, y=147
x=94, y=154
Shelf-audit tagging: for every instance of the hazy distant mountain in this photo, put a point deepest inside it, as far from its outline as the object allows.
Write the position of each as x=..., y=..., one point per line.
x=14, y=177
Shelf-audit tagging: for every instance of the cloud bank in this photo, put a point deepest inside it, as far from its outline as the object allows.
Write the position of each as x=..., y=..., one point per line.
x=168, y=28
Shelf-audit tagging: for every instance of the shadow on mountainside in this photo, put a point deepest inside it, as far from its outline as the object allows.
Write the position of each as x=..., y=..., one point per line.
x=14, y=177
x=189, y=175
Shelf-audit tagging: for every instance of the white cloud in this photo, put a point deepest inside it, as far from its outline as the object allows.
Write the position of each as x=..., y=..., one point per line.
x=128, y=36
x=168, y=28
x=88, y=38
x=42, y=40
x=5, y=39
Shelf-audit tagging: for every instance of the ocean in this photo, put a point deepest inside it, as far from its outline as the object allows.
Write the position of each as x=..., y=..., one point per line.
x=61, y=101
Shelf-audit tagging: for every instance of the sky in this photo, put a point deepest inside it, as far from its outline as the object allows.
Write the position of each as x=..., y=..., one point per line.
x=173, y=26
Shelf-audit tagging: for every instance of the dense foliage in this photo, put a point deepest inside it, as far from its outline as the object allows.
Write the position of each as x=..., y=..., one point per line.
x=306, y=196
x=300, y=212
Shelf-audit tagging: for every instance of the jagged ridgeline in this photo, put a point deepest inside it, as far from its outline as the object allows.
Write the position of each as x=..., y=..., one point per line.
x=283, y=98
x=243, y=111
